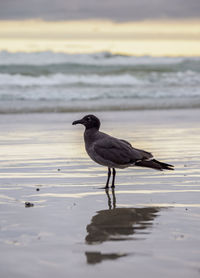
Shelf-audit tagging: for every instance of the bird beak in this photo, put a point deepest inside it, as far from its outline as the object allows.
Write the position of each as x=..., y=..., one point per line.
x=77, y=122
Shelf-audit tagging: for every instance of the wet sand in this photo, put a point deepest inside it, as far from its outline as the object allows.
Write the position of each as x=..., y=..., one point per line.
x=148, y=227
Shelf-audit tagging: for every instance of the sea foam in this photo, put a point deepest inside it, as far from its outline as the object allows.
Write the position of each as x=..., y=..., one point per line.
x=54, y=78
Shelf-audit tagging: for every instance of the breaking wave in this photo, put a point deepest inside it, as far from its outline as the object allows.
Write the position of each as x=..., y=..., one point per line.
x=47, y=81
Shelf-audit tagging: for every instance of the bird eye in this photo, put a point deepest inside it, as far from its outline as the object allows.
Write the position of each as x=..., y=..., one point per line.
x=88, y=118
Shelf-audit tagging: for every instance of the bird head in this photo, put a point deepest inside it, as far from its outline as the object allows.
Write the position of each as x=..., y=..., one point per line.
x=89, y=121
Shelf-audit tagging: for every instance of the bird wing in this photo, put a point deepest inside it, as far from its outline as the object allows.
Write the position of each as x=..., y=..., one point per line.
x=145, y=155
x=117, y=151
x=126, y=142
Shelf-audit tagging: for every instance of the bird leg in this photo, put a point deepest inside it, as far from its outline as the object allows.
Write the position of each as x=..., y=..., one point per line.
x=113, y=180
x=107, y=183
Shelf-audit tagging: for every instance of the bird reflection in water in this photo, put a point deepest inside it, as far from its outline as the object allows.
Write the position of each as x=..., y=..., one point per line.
x=117, y=224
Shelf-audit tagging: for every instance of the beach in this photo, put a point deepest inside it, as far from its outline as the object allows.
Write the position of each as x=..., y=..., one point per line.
x=148, y=226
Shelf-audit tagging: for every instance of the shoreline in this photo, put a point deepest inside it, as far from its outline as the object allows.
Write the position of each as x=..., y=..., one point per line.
x=28, y=107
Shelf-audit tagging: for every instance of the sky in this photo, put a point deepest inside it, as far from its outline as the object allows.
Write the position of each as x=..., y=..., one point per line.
x=130, y=27
x=119, y=10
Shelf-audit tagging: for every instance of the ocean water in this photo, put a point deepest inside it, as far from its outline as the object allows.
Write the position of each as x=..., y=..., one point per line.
x=48, y=81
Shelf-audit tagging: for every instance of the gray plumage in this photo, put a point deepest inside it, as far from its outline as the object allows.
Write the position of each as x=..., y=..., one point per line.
x=113, y=152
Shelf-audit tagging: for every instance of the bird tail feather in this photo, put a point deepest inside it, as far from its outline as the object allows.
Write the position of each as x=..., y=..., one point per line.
x=155, y=164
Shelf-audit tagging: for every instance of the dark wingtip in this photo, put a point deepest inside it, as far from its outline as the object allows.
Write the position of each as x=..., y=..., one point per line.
x=164, y=166
x=168, y=167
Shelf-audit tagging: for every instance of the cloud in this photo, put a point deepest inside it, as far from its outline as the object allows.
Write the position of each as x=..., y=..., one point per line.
x=120, y=10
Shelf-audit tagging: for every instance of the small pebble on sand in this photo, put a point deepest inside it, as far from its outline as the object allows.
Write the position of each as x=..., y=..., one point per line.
x=28, y=204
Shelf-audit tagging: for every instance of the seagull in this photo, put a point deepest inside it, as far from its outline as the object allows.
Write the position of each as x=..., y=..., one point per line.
x=114, y=153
